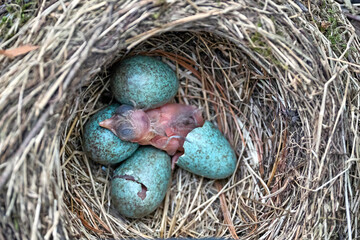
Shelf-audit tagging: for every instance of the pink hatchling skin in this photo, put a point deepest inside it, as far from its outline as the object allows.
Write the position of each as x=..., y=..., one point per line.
x=164, y=127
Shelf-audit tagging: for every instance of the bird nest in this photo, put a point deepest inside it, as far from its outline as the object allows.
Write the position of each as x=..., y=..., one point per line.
x=278, y=78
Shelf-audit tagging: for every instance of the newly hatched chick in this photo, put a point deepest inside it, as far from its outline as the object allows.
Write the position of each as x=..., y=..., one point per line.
x=164, y=127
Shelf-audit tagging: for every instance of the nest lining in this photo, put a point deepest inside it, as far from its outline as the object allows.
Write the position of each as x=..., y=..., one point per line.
x=215, y=104
x=264, y=73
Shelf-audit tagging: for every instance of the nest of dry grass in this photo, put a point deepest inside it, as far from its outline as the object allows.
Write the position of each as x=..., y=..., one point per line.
x=279, y=79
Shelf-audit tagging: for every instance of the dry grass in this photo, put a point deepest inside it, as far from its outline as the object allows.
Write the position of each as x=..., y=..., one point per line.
x=269, y=75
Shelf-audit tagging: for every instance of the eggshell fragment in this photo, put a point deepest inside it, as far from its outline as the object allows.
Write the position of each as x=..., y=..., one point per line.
x=101, y=145
x=144, y=82
x=208, y=153
x=139, y=184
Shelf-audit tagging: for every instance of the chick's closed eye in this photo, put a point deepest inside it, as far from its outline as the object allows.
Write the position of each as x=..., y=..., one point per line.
x=125, y=131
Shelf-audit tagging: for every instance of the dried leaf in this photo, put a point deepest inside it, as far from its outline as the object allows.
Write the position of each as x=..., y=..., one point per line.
x=226, y=213
x=88, y=225
x=100, y=221
x=14, y=52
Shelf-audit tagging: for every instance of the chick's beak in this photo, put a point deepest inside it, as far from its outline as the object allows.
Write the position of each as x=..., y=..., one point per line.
x=109, y=124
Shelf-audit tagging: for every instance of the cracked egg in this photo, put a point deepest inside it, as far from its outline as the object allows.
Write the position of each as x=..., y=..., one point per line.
x=207, y=153
x=140, y=183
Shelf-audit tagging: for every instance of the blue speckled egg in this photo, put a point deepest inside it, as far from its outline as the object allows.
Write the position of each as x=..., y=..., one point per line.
x=144, y=81
x=101, y=145
x=208, y=153
x=139, y=184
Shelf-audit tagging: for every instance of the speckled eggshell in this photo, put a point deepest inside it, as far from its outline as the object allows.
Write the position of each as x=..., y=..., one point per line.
x=139, y=184
x=208, y=153
x=144, y=81
x=101, y=145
